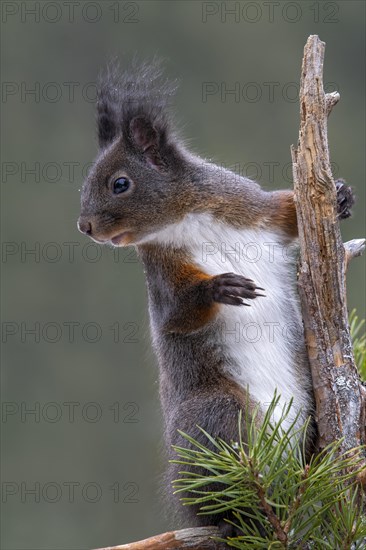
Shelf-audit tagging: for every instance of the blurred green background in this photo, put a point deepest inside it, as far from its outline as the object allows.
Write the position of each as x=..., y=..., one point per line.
x=82, y=470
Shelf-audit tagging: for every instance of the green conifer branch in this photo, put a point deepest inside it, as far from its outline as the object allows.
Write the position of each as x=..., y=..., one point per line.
x=276, y=499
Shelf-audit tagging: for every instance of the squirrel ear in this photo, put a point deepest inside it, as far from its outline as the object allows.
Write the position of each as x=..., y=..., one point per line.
x=146, y=138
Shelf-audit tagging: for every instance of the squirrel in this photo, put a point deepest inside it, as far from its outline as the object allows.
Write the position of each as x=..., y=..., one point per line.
x=212, y=243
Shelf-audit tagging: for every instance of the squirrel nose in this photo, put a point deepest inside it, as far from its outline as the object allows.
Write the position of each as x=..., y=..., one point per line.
x=84, y=226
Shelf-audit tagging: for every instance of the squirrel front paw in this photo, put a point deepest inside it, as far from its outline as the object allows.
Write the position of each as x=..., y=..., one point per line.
x=345, y=199
x=230, y=288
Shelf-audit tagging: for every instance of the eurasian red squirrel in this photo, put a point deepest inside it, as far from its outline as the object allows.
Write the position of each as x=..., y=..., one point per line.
x=212, y=243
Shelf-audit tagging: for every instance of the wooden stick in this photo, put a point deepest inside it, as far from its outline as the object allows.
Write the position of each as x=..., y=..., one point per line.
x=338, y=391
x=354, y=248
x=198, y=538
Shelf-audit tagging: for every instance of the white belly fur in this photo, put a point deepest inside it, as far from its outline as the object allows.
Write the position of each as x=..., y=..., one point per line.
x=255, y=338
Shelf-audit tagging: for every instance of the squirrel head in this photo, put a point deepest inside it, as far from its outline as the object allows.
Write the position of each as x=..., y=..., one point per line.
x=139, y=181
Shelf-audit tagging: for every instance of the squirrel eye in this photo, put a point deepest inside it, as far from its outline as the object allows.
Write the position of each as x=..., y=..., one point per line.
x=120, y=185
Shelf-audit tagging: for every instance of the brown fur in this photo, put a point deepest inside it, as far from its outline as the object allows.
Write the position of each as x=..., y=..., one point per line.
x=284, y=213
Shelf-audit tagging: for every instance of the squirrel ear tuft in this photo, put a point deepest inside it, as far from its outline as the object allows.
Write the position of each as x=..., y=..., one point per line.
x=106, y=119
x=109, y=104
x=147, y=140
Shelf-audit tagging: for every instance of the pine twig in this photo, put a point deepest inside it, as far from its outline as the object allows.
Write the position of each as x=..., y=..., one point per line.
x=271, y=516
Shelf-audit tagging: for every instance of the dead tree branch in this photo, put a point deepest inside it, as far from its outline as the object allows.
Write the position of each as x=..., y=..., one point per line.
x=322, y=272
x=198, y=538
